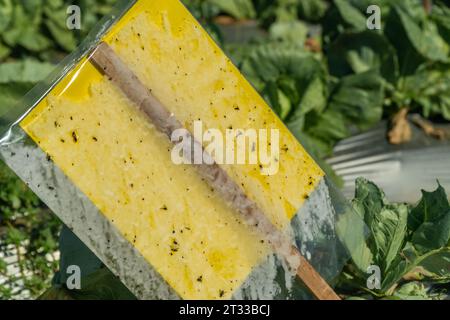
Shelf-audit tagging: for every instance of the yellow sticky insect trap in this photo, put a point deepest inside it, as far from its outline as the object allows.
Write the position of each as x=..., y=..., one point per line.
x=102, y=143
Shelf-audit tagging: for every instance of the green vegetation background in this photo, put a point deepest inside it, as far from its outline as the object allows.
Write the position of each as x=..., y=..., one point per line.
x=316, y=63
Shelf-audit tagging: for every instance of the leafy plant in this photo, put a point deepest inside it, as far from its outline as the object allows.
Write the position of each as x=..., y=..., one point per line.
x=39, y=27
x=31, y=230
x=360, y=77
x=17, y=77
x=318, y=108
x=410, y=245
x=411, y=53
x=34, y=36
x=265, y=11
x=323, y=95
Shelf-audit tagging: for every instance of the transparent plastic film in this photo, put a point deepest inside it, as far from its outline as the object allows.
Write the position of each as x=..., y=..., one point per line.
x=136, y=146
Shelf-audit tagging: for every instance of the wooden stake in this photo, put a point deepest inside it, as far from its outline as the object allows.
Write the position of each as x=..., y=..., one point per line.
x=106, y=61
x=427, y=5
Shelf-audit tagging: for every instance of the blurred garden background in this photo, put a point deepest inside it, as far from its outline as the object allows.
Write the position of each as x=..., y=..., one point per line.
x=314, y=61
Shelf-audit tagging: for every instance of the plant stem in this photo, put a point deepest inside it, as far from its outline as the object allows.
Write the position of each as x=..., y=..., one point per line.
x=400, y=128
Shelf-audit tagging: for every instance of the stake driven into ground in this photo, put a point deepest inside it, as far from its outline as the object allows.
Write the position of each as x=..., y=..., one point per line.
x=107, y=62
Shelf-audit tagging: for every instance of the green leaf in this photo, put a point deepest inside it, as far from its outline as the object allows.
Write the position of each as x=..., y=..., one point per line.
x=15, y=236
x=281, y=72
x=56, y=23
x=314, y=97
x=239, y=9
x=268, y=62
x=3, y=266
x=432, y=235
x=312, y=10
x=430, y=221
x=55, y=4
x=431, y=207
x=412, y=291
x=389, y=230
x=387, y=222
x=294, y=32
x=28, y=71
x=19, y=22
x=399, y=267
x=435, y=46
x=351, y=16
x=389, y=242
x=412, y=259
x=369, y=200
x=24, y=31
x=429, y=89
x=4, y=51
x=33, y=41
x=361, y=52
x=279, y=101
x=441, y=16
x=352, y=233
x=362, y=5
x=64, y=37
x=57, y=15
x=31, y=6
x=10, y=94
x=415, y=39
x=359, y=98
x=438, y=265
x=342, y=16
x=6, y=13
x=322, y=129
